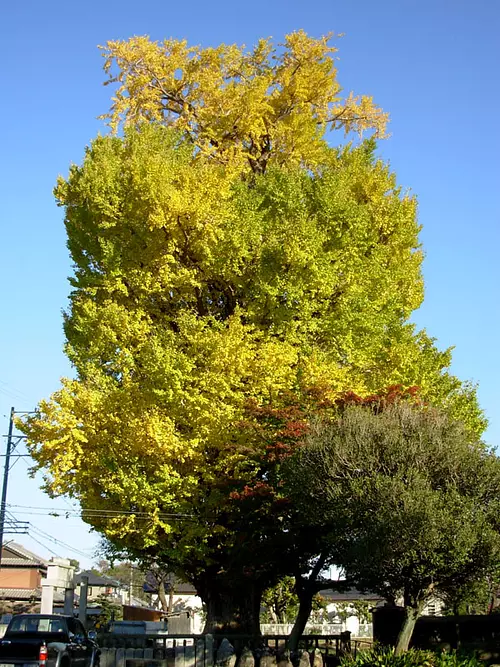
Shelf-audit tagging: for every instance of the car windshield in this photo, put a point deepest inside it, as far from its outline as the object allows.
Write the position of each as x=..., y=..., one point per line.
x=35, y=624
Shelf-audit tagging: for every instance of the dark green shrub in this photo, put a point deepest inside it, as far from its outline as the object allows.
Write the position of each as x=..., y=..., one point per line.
x=411, y=658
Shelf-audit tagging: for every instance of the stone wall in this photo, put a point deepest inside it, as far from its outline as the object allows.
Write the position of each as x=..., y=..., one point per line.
x=200, y=653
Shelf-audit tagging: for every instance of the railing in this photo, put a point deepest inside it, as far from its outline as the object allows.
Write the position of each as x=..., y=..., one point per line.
x=326, y=629
x=365, y=630
x=362, y=644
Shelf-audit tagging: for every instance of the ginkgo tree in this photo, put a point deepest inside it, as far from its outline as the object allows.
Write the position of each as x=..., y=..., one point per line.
x=225, y=255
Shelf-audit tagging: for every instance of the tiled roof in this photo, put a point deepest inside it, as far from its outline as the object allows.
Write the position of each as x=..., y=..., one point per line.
x=97, y=579
x=184, y=589
x=27, y=594
x=180, y=587
x=16, y=552
x=347, y=596
x=23, y=562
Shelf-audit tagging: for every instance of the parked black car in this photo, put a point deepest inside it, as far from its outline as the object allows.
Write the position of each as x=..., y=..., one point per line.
x=42, y=640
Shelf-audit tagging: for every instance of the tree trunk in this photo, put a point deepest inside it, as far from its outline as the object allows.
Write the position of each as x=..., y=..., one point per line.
x=406, y=632
x=306, y=589
x=305, y=607
x=232, y=609
x=162, y=597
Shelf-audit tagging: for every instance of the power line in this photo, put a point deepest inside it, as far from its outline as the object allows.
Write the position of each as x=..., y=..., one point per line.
x=10, y=394
x=43, y=545
x=20, y=394
x=95, y=509
x=59, y=543
x=46, y=536
x=95, y=512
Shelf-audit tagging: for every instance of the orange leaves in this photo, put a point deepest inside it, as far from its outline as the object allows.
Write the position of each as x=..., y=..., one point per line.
x=378, y=401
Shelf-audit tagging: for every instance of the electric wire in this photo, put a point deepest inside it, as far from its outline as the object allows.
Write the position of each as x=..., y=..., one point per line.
x=13, y=390
x=44, y=546
x=95, y=512
x=46, y=536
x=59, y=543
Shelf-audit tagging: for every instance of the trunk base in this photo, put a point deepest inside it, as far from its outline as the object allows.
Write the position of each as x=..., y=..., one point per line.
x=305, y=607
x=233, y=612
x=406, y=632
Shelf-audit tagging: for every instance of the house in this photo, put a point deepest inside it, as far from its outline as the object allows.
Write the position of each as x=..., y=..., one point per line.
x=21, y=568
x=352, y=608
x=185, y=606
x=21, y=576
x=100, y=584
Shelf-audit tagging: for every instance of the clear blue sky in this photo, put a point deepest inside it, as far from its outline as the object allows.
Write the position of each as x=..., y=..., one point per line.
x=433, y=64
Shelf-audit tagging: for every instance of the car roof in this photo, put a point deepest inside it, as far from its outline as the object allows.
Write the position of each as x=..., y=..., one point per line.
x=44, y=615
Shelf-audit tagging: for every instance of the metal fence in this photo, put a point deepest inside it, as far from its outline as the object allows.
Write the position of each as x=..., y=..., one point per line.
x=365, y=630
x=326, y=629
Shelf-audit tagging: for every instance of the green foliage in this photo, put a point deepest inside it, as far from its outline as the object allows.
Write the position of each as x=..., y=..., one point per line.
x=412, y=658
x=363, y=610
x=128, y=573
x=475, y=597
x=109, y=610
x=193, y=293
x=391, y=485
x=280, y=603
x=359, y=608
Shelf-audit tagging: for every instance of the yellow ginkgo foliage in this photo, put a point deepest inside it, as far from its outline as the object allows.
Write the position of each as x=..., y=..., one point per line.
x=245, y=108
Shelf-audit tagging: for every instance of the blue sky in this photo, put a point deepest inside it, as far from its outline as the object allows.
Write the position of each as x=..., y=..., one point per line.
x=433, y=64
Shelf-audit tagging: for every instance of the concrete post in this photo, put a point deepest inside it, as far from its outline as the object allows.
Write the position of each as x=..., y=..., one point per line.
x=69, y=601
x=59, y=576
x=47, y=606
x=82, y=607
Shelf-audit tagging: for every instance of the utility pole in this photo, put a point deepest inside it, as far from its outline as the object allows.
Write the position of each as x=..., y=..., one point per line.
x=12, y=525
x=5, y=480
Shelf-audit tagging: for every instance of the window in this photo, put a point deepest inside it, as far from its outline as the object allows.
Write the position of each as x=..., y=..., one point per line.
x=72, y=625
x=89, y=591
x=35, y=624
x=80, y=630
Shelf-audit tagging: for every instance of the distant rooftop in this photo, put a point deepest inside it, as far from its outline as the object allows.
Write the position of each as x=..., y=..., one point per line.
x=27, y=594
x=180, y=587
x=349, y=596
x=97, y=579
x=16, y=555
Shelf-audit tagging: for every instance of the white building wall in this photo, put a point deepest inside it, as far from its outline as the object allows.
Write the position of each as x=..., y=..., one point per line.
x=182, y=603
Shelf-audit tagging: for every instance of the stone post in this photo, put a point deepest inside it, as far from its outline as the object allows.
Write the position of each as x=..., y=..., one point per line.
x=59, y=577
x=47, y=605
x=82, y=606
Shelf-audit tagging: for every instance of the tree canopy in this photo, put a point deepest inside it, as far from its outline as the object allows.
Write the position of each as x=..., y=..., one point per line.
x=245, y=109
x=224, y=260
x=409, y=498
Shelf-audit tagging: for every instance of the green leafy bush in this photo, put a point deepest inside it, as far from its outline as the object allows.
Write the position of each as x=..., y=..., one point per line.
x=411, y=658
